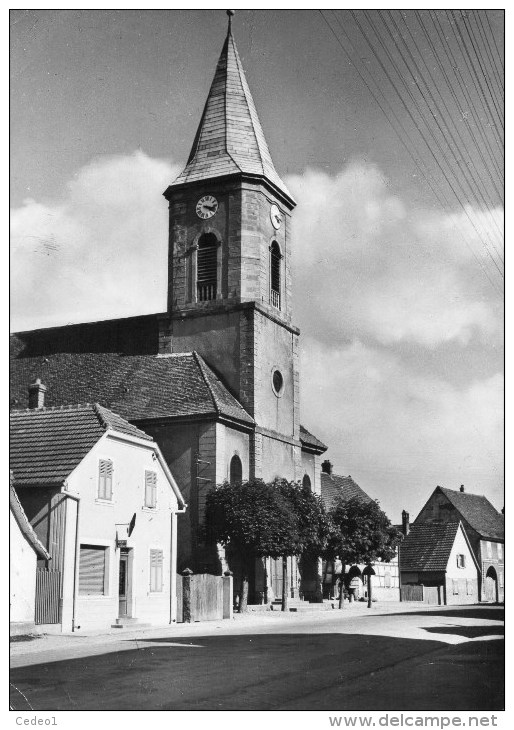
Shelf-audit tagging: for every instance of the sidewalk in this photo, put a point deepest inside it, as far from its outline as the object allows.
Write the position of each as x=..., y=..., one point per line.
x=55, y=647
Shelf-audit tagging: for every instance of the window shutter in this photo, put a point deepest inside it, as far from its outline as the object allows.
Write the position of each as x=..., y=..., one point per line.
x=105, y=479
x=150, y=489
x=92, y=570
x=155, y=571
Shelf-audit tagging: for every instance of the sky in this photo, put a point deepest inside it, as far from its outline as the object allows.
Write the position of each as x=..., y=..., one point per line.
x=397, y=286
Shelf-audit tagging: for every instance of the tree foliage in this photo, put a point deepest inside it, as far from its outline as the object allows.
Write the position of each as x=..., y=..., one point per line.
x=361, y=532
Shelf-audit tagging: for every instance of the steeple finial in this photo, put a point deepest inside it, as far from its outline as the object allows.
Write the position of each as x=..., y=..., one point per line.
x=230, y=14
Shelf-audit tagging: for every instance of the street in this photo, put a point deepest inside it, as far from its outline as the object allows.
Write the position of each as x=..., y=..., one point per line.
x=386, y=658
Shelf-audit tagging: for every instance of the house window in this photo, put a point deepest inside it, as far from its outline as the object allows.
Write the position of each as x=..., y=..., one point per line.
x=93, y=570
x=150, y=489
x=500, y=551
x=155, y=571
x=236, y=470
x=489, y=550
x=207, y=268
x=455, y=584
x=275, y=257
x=461, y=561
x=105, y=479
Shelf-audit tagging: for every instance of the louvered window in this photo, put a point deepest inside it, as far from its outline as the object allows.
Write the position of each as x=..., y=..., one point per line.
x=156, y=571
x=105, y=479
x=275, y=257
x=207, y=267
x=150, y=489
x=92, y=570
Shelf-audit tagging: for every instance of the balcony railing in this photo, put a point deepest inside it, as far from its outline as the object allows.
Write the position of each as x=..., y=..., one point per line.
x=275, y=298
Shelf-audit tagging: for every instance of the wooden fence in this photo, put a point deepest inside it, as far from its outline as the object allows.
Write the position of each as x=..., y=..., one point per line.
x=433, y=595
x=204, y=597
x=48, y=596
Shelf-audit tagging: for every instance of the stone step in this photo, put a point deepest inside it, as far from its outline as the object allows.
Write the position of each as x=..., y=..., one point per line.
x=129, y=623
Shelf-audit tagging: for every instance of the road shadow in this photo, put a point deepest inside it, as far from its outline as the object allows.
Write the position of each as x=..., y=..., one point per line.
x=270, y=672
x=488, y=612
x=470, y=632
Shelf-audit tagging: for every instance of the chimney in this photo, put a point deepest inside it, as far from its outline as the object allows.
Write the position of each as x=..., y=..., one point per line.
x=462, y=487
x=405, y=523
x=326, y=467
x=37, y=394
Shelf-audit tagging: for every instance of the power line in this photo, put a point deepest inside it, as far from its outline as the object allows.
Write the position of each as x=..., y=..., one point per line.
x=402, y=137
x=420, y=130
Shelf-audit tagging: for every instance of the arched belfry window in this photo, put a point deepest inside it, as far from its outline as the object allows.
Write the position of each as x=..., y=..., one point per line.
x=306, y=481
x=207, y=268
x=275, y=259
x=236, y=470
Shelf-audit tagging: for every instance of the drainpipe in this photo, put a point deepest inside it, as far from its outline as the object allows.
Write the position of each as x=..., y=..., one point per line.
x=77, y=500
x=173, y=561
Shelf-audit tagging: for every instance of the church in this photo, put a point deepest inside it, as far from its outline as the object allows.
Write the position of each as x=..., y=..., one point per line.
x=214, y=379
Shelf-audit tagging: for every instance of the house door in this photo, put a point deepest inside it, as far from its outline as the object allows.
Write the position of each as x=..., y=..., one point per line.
x=277, y=576
x=491, y=586
x=123, y=583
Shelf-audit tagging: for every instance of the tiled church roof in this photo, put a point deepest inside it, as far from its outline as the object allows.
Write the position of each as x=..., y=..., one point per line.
x=138, y=387
x=46, y=444
x=307, y=439
x=229, y=139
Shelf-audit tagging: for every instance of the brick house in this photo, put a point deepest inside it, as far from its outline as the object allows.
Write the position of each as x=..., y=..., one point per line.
x=214, y=379
x=484, y=527
x=103, y=504
x=438, y=558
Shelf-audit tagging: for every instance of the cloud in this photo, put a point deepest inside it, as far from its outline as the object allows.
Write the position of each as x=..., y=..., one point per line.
x=98, y=252
x=400, y=433
x=368, y=265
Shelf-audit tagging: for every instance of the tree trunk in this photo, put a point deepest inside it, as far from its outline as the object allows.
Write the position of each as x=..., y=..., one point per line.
x=243, y=603
x=284, y=585
x=341, y=587
x=369, y=589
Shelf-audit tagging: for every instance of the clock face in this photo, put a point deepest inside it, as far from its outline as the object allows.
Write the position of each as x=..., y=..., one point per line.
x=206, y=207
x=275, y=216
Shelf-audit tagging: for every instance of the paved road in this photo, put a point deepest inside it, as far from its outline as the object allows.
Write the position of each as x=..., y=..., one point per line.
x=425, y=659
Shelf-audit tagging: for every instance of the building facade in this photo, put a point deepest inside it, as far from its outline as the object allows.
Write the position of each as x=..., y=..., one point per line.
x=214, y=379
x=484, y=527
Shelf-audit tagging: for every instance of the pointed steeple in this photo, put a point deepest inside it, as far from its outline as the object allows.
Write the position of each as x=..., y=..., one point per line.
x=229, y=139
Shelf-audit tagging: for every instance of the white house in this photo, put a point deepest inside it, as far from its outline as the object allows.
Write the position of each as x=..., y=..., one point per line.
x=103, y=502
x=24, y=550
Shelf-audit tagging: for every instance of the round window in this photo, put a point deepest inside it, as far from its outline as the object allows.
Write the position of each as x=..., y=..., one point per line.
x=278, y=381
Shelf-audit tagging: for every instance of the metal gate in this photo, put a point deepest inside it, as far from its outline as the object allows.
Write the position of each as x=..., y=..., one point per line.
x=48, y=596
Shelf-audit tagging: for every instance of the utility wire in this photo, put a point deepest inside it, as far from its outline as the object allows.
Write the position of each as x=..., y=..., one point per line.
x=438, y=193
x=477, y=191
x=489, y=52
x=452, y=63
x=437, y=160
x=495, y=45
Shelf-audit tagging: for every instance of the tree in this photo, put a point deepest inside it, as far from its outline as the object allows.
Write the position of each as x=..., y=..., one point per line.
x=255, y=519
x=313, y=527
x=361, y=533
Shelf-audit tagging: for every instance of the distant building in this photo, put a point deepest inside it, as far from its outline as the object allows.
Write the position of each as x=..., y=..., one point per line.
x=103, y=504
x=24, y=551
x=485, y=528
x=385, y=581
x=437, y=565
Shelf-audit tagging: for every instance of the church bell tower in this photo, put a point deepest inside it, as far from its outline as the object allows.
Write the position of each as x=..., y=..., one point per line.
x=229, y=280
